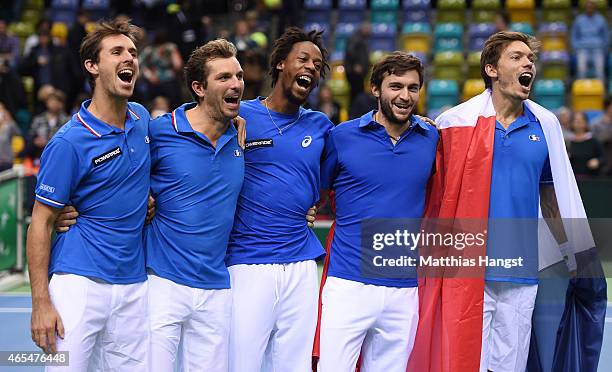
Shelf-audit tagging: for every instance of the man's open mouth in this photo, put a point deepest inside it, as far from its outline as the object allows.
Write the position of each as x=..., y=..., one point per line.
x=126, y=75
x=525, y=79
x=304, y=81
x=233, y=100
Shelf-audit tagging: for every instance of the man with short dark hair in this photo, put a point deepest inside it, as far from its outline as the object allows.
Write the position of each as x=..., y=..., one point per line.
x=502, y=162
x=197, y=169
x=99, y=163
x=378, y=165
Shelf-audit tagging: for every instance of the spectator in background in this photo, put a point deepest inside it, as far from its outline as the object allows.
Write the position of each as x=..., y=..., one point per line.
x=357, y=59
x=161, y=64
x=254, y=21
x=254, y=63
x=362, y=104
x=584, y=151
x=590, y=41
x=241, y=37
x=45, y=125
x=186, y=26
x=502, y=21
x=41, y=98
x=12, y=94
x=8, y=129
x=75, y=35
x=159, y=106
x=9, y=46
x=51, y=64
x=602, y=131
x=328, y=105
x=565, y=118
x=42, y=27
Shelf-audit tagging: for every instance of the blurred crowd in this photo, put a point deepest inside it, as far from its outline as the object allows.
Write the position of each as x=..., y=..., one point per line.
x=42, y=83
x=588, y=140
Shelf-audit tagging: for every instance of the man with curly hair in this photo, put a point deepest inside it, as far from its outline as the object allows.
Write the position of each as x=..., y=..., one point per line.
x=271, y=255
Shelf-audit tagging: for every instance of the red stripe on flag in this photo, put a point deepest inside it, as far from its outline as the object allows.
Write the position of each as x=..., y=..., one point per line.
x=449, y=335
x=316, y=351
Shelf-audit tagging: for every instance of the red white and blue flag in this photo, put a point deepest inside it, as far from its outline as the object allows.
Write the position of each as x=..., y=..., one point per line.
x=450, y=326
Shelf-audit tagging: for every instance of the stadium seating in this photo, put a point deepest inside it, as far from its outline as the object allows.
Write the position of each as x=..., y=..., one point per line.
x=448, y=66
x=473, y=87
x=344, y=30
x=384, y=16
x=553, y=36
x=319, y=26
x=375, y=56
x=478, y=34
x=523, y=27
x=383, y=37
x=376, y=5
x=35, y=4
x=599, y=4
x=17, y=145
x=337, y=71
x=21, y=29
x=341, y=90
x=441, y=93
x=557, y=11
x=28, y=85
x=587, y=95
x=473, y=60
x=416, y=10
x=451, y=11
x=351, y=11
x=521, y=11
x=448, y=37
x=554, y=65
x=416, y=37
x=421, y=56
x=97, y=9
x=610, y=73
x=59, y=31
x=64, y=11
x=549, y=93
x=384, y=11
x=31, y=16
x=554, y=44
x=321, y=5
x=421, y=105
x=485, y=11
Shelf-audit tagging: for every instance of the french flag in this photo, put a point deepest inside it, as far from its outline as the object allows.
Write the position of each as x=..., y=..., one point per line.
x=449, y=334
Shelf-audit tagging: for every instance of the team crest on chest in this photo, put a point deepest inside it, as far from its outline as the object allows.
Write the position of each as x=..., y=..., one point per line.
x=306, y=141
x=533, y=137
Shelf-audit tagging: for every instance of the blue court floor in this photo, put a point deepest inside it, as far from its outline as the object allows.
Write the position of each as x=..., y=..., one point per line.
x=15, y=311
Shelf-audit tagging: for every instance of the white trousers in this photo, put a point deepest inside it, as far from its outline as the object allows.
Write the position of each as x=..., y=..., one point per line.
x=506, y=326
x=106, y=325
x=378, y=322
x=274, y=317
x=197, y=318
